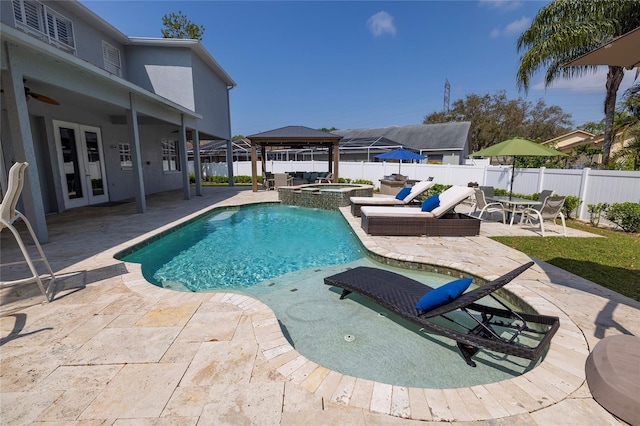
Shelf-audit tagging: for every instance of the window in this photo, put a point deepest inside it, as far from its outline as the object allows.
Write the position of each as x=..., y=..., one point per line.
x=170, y=156
x=125, y=155
x=111, y=57
x=37, y=19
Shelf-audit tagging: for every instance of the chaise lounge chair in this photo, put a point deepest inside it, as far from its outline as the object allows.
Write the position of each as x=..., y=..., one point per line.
x=414, y=221
x=490, y=328
x=417, y=189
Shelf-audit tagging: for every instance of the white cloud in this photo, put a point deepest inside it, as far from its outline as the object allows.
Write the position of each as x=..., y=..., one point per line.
x=517, y=27
x=588, y=83
x=381, y=23
x=501, y=4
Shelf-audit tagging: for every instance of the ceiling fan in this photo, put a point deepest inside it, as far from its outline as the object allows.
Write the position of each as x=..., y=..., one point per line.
x=37, y=96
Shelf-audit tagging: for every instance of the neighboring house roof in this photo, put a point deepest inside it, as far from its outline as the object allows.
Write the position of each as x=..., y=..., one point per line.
x=422, y=137
x=580, y=134
x=568, y=141
x=294, y=132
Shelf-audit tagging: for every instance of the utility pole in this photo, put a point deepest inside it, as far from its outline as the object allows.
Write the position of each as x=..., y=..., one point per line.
x=447, y=90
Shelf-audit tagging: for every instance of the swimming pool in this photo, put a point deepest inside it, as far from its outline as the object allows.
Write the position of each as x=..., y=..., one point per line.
x=302, y=246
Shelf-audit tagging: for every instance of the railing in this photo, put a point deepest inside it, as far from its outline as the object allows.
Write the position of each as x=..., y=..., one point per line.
x=591, y=186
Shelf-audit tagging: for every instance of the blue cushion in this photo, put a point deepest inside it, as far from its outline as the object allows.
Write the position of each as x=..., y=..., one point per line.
x=403, y=193
x=431, y=203
x=443, y=294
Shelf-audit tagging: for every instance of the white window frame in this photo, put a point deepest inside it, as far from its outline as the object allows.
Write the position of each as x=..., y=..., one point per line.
x=112, y=61
x=124, y=150
x=39, y=20
x=170, y=156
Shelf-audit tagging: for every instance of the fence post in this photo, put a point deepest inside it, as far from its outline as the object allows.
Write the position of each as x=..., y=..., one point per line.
x=541, y=178
x=584, y=187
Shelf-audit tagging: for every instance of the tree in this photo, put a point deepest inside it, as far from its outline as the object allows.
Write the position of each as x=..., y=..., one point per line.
x=566, y=29
x=237, y=137
x=178, y=26
x=628, y=158
x=497, y=118
x=327, y=129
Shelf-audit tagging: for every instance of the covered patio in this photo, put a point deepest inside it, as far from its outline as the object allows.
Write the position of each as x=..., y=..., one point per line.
x=292, y=137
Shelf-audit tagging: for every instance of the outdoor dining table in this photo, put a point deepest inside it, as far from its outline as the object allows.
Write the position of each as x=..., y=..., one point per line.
x=511, y=204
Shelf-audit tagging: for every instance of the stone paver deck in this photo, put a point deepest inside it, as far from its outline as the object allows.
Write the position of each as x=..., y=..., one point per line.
x=113, y=349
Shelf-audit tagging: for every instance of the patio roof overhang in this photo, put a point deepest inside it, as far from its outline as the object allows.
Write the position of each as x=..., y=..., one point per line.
x=623, y=51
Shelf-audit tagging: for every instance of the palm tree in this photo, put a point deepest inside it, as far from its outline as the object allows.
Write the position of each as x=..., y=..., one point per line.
x=566, y=29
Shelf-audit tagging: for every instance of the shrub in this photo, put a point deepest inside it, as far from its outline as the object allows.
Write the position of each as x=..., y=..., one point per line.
x=192, y=178
x=344, y=180
x=625, y=215
x=595, y=212
x=363, y=182
x=571, y=203
x=245, y=179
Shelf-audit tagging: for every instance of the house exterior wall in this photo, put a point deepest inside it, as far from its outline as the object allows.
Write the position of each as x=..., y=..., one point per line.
x=163, y=70
x=211, y=101
x=87, y=36
x=160, y=90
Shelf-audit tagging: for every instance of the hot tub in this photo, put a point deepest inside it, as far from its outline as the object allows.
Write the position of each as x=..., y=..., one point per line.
x=327, y=196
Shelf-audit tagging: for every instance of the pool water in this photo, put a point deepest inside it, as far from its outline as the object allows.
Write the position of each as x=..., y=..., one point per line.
x=280, y=255
x=240, y=247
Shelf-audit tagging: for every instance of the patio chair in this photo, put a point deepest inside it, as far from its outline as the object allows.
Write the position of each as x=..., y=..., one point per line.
x=489, y=191
x=473, y=326
x=440, y=221
x=281, y=179
x=484, y=207
x=551, y=209
x=8, y=216
x=327, y=178
x=406, y=194
x=522, y=211
x=267, y=180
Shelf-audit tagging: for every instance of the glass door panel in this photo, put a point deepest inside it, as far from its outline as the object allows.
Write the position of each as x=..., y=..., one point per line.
x=94, y=163
x=71, y=168
x=81, y=161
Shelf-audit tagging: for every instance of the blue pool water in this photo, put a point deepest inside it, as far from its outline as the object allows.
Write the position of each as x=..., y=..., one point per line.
x=280, y=255
x=240, y=247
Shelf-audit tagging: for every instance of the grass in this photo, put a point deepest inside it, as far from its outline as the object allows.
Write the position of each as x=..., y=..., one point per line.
x=612, y=261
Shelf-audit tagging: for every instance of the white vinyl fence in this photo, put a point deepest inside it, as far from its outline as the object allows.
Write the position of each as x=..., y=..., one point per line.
x=591, y=186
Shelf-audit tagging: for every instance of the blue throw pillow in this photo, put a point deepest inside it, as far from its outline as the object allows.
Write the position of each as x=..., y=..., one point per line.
x=443, y=294
x=403, y=193
x=431, y=203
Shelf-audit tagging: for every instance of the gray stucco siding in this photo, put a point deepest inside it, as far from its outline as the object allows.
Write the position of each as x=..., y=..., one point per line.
x=164, y=71
x=211, y=100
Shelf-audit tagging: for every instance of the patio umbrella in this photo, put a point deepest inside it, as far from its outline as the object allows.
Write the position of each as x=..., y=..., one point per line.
x=400, y=154
x=517, y=147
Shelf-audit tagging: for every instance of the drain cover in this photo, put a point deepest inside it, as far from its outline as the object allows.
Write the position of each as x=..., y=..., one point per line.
x=349, y=337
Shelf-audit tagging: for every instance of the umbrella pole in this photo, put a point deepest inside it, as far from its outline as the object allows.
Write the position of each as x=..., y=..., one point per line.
x=513, y=174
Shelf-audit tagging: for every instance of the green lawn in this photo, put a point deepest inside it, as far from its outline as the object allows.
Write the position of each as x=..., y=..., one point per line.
x=612, y=261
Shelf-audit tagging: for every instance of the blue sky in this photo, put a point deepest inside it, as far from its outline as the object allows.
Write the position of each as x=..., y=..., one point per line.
x=363, y=63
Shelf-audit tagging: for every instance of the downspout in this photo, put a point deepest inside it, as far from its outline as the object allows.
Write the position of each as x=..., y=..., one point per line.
x=229, y=142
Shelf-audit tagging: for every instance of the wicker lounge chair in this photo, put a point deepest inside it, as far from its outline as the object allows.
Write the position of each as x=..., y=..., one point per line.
x=441, y=221
x=417, y=189
x=490, y=328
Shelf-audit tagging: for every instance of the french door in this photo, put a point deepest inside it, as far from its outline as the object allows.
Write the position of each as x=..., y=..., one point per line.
x=81, y=161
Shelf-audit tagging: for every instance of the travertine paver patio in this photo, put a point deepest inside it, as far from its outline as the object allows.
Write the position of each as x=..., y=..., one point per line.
x=113, y=349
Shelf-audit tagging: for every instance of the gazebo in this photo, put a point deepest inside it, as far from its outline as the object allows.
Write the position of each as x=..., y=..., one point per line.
x=291, y=137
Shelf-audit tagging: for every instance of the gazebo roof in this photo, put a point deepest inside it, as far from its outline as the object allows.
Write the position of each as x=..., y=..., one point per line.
x=294, y=136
